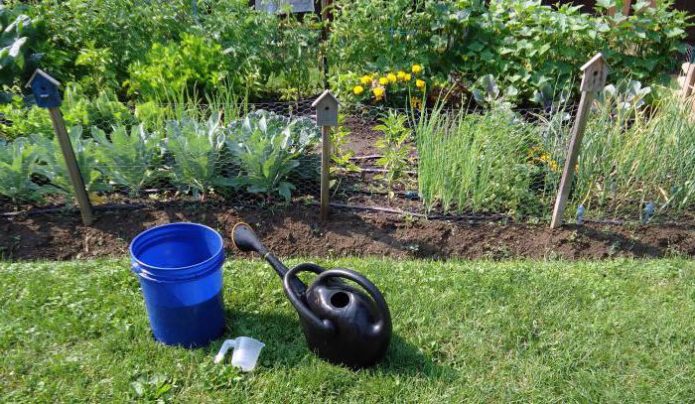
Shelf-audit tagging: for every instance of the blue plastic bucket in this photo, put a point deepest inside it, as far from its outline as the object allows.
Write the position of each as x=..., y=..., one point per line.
x=179, y=266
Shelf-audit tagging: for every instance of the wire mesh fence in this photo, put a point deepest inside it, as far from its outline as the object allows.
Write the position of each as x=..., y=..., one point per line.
x=450, y=163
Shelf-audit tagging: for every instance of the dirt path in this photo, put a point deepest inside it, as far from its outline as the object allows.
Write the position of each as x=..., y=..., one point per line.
x=297, y=232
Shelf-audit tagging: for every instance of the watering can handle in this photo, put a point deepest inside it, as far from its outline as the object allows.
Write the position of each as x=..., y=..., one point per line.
x=361, y=280
x=304, y=312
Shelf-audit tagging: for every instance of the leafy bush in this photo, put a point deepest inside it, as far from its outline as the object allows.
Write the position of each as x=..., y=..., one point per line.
x=526, y=46
x=18, y=164
x=98, y=40
x=19, y=120
x=16, y=30
x=129, y=160
x=196, y=149
x=176, y=68
x=268, y=148
x=266, y=54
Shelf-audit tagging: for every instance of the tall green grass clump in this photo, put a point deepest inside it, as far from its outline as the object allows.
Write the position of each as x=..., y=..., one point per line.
x=480, y=162
x=631, y=156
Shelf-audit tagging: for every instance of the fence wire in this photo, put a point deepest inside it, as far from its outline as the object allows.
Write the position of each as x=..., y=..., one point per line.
x=268, y=154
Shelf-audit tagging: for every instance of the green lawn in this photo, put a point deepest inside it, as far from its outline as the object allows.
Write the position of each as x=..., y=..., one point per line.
x=463, y=331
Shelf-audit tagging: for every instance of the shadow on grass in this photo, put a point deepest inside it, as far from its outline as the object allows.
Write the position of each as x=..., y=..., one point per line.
x=285, y=346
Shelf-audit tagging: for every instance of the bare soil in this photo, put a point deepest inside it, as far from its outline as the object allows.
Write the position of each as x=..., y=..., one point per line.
x=298, y=232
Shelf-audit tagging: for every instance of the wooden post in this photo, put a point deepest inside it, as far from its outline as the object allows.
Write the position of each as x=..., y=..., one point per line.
x=326, y=17
x=47, y=95
x=594, y=77
x=626, y=7
x=326, y=116
x=325, y=170
x=689, y=81
x=71, y=163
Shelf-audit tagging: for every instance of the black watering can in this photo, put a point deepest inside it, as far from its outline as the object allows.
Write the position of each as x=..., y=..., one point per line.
x=341, y=323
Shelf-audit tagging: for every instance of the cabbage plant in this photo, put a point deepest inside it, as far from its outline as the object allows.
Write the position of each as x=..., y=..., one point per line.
x=268, y=149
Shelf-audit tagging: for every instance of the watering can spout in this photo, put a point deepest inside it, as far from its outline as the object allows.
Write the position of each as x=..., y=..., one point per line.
x=245, y=239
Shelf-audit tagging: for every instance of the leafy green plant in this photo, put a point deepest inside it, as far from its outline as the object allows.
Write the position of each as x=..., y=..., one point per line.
x=55, y=169
x=19, y=120
x=168, y=70
x=341, y=154
x=16, y=29
x=95, y=42
x=395, y=149
x=266, y=54
x=196, y=149
x=268, y=148
x=18, y=164
x=129, y=160
x=525, y=45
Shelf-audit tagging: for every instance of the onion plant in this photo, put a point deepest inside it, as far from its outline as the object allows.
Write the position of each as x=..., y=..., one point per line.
x=477, y=162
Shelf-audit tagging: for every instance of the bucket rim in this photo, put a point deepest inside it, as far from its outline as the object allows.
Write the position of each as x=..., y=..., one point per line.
x=183, y=268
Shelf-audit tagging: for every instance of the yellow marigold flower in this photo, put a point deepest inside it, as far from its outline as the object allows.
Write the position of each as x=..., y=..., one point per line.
x=384, y=81
x=407, y=77
x=400, y=75
x=420, y=83
x=391, y=78
x=416, y=69
x=366, y=79
x=358, y=90
x=378, y=93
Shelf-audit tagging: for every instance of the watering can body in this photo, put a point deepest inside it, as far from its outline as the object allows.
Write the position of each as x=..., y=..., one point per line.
x=341, y=323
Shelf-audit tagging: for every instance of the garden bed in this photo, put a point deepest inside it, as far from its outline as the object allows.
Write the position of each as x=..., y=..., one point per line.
x=297, y=231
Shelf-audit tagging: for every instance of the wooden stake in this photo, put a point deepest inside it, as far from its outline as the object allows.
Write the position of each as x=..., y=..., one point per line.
x=626, y=7
x=593, y=80
x=325, y=169
x=689, y=82
x=71, y=163
x=326, y=116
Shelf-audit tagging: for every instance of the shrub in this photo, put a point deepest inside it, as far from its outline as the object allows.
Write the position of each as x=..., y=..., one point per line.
x=527, y=47
x=16, y=59
x=173, y=69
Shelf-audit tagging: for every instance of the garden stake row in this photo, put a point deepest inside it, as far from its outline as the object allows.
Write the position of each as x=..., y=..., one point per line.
x=595, y=72
x=45, y=89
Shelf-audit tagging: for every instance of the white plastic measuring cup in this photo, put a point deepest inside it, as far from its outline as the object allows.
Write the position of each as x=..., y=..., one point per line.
x=245, y=355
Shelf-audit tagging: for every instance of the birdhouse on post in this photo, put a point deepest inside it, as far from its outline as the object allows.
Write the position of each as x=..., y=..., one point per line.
x=326, y=116
x=595, y=74
x=46, y=89
x=326, y=109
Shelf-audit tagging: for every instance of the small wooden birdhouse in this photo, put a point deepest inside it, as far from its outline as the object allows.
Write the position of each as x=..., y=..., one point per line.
x=45, y=89
x=326, y=109
x=595, y=74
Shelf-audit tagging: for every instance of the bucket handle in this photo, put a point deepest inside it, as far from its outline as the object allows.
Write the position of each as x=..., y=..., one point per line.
x=136, y=268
